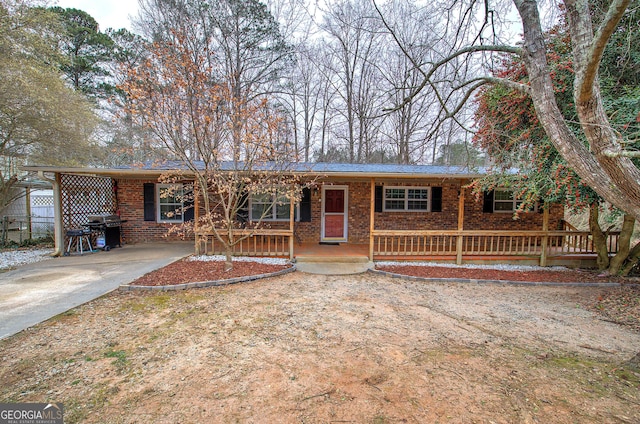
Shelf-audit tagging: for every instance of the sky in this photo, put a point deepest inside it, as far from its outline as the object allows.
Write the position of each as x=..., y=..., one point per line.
x=109, y=13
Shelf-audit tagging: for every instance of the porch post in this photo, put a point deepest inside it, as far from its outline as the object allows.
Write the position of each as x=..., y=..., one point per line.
x=291, y=220
x=545, y=237
x=372, y=210
x=196, y=217
x=58, y=226
x=460, y=238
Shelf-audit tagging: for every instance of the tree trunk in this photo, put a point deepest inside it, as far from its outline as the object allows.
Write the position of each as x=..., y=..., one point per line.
x=633, y=258
x=599, y=239
x=624, y=245
x=228, y=259
x=615, y=179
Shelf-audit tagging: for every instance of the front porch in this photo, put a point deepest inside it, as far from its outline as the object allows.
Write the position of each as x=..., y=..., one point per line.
x=545, y=248
x=453, y=227
x=562, y=245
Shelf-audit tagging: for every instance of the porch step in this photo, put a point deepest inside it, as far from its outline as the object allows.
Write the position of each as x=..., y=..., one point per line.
x=355, y=259
x=333, y=265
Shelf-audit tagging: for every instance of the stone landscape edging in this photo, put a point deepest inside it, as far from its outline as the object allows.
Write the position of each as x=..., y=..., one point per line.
x=203, y=284
x=476, y=281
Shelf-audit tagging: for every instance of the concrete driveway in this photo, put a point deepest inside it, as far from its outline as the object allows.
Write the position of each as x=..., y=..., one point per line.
x=36, y=292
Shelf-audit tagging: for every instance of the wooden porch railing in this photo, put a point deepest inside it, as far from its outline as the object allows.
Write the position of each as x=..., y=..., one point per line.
x=490, y=243
x=407, y=243
x=264, y=242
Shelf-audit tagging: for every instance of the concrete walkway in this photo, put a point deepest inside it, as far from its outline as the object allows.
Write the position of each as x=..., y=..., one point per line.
x=36, y=292
x=330, y=265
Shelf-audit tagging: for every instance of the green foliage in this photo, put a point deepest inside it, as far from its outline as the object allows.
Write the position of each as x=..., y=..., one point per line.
x=120, y=358
x=40, y=117
x=512, y=135
x=37, y=242
x=86, y=50
x=42, y=120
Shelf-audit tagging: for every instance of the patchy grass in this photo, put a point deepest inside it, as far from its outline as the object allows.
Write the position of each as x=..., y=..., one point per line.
x=303, y=348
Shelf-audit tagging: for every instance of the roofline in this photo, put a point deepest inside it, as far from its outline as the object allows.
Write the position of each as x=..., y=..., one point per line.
x=111, y=172
x=95, y=171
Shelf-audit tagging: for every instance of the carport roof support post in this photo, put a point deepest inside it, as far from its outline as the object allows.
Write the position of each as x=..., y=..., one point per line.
x=58, y=233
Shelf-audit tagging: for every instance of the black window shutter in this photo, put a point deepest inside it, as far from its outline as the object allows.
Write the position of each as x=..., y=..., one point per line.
x=305, y=205
x=188, y=213
x=436, y=199
x=378, y=198
x=487, y=207
x=242, y=215
x=149, y=199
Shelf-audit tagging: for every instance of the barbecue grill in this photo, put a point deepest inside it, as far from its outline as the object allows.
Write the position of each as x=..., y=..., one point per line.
x=109, y=225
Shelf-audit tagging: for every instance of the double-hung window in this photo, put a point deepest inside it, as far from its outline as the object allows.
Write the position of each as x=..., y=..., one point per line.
x=406, y=199
x=170, y=202
x=505, y=201
x=268, y=207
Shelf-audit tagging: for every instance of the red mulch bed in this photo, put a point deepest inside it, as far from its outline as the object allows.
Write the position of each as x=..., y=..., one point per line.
x=569, y=276
x=185, y=271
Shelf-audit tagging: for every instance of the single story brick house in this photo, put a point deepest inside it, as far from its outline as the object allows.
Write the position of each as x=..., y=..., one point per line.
x=392, y=211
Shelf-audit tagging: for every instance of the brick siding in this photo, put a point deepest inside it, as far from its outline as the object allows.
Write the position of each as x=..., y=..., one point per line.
x=131, y=208
x=136, y=229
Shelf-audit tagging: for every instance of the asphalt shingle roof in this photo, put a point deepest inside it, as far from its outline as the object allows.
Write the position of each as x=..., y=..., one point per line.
x=333, y=168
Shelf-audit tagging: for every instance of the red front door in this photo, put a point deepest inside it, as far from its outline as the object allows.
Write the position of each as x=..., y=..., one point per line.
x=334, y=214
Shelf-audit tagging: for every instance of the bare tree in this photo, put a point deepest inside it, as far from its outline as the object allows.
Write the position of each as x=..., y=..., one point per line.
x=303, y=96
x=406, y=128
x=186, y=110
x=598, y=153
x=350, y=26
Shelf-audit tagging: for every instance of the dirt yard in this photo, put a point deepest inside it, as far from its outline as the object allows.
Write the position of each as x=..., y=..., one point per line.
x=321, y=349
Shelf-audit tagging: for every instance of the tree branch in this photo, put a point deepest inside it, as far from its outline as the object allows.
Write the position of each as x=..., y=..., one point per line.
x=621, y=153
x=436, y=65
x=601, y=38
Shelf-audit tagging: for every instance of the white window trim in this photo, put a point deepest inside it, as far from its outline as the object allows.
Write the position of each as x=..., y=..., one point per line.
x=406, y=199
x=514, y=202
x=272, y=218
x=159, y=203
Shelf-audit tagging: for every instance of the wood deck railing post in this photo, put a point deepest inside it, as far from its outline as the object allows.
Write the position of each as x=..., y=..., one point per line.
x=291, y=223
x=460, y=236
x=545, y=237
x=372, y=215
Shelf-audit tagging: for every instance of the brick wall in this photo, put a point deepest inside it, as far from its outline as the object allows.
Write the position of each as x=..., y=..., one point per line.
x=131, y=208
x=359, y=195
x=476, y=219
x=445, y=220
